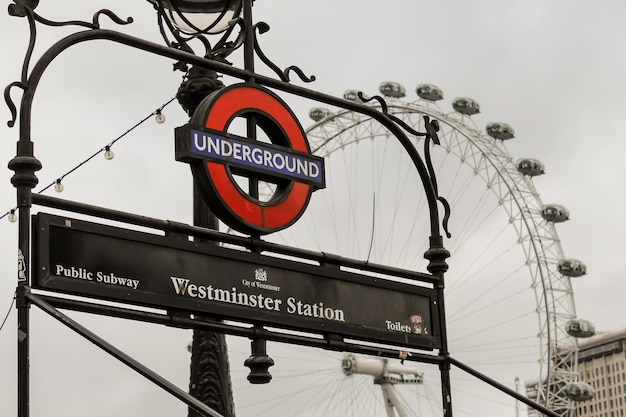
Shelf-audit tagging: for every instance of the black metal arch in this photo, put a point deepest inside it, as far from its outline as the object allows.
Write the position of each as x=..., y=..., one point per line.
x=25, y=165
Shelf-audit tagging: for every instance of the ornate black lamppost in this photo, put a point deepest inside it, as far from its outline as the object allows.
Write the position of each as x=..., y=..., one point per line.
x=183, y=22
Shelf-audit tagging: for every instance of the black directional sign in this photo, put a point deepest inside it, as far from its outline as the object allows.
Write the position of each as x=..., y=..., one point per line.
x=110, y=263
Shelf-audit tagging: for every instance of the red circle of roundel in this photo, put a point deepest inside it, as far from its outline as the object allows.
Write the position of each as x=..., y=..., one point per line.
x=238, y=209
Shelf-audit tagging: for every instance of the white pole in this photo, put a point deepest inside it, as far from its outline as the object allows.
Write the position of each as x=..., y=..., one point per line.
x=392, y=395
x=389, y=403
x=386, y=375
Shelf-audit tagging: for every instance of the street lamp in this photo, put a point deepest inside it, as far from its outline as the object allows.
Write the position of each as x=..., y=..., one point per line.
x=196, y=16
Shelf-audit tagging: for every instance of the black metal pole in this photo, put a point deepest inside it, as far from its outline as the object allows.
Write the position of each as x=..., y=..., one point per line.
x=23, y=353
x=503, y=388
x=209, y=379
x=253, y=180
x=24, y=164
x=437, y=266
x=209, y=370
x=248, y=46
x=23, y=319
x=248, y=65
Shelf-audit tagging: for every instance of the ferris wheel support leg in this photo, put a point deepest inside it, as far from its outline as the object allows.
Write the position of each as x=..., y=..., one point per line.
x=388, y=402
x=392, y=401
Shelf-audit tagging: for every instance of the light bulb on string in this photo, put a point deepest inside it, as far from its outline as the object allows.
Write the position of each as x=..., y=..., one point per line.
x=108, y=153
x=12, y=216
x=159, y=117
x=58, y=186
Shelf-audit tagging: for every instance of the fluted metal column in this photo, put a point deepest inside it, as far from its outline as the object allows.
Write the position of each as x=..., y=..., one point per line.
x=210, y=369
x=209, y=379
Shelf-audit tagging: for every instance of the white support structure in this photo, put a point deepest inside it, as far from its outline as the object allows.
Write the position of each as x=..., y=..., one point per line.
x=387, y=376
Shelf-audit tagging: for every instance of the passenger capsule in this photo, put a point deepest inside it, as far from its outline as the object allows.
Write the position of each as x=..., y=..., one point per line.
x=580, y=328
x=554, y=213
x=318, y=113
x=571, y=268
x=530, y=167
x=578, y=391
x=429, y=92
x=392, y=89
x=466, y=105
x=500, y=131
x=352, y=95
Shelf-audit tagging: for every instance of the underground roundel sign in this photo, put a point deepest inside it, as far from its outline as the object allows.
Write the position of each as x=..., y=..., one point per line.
x=258, y=184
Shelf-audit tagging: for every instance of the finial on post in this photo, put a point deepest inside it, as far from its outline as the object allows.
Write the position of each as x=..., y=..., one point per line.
x=259, y=363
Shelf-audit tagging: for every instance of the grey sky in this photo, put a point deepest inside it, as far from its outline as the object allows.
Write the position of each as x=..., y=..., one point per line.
x=551, y=69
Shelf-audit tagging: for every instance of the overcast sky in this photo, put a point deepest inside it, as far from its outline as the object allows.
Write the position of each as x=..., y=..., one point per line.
x=551, y=69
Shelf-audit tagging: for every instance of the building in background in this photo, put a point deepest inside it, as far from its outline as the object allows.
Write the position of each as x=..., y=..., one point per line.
x=602, y=364
x=601, y=387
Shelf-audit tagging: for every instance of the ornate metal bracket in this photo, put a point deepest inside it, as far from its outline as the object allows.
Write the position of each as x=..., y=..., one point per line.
x=26, y=8
x=263, y=27
x=432, y=127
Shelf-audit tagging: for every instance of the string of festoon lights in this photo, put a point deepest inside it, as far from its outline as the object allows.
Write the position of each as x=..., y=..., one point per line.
x=106, y=150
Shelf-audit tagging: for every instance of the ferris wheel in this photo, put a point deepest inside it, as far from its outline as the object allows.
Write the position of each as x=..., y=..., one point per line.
x=510, y=304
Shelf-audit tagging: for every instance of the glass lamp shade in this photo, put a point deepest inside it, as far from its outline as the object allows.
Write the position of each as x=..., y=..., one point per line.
x=201, y=16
